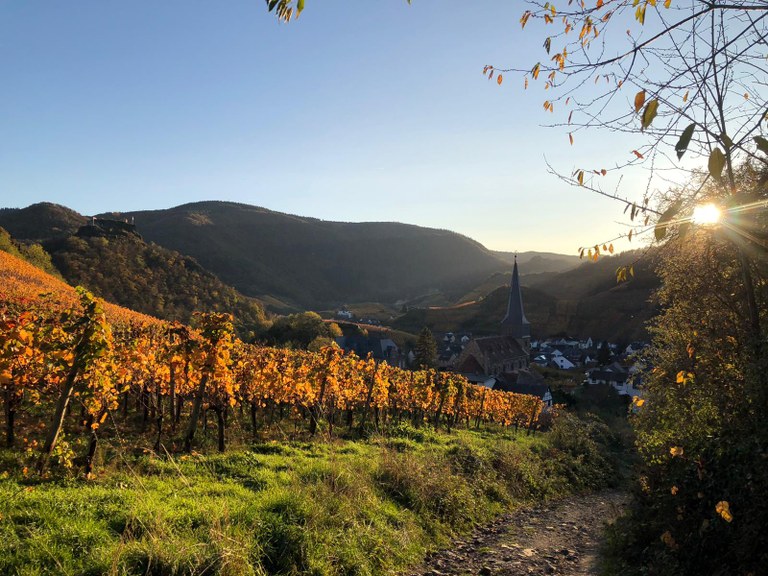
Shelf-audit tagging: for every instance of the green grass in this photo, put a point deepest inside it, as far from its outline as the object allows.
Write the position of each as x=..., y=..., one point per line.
x=336, y=508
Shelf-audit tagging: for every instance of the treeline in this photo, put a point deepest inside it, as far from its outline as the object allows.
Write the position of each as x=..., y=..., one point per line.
x=71, y=376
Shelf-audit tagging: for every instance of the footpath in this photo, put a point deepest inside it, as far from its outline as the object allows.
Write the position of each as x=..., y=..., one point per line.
x=560, y=537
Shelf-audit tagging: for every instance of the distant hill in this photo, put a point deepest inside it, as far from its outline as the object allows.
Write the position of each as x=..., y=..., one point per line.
x=538, y=262
x=39, y=222
x=195, y=252
x=316, y=263
x=585, y=301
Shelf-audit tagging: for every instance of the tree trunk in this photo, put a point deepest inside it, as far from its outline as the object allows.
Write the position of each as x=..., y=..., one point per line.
x=144, y=408
x=58, y=417
x=159, y=419
x=221, y=422
x=253, y=419
x=92, y=443
x=368, y=396
x=190, y=435
x=10, y=415
x=172, y=399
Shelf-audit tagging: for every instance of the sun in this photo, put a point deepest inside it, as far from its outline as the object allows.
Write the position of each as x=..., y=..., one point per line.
x=706, y=214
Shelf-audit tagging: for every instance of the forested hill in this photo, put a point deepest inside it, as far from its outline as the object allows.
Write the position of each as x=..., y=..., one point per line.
x=40, y=222
x=151, y=279
x=314, y=262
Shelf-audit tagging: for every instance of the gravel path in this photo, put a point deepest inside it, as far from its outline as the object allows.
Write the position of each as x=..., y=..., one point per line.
x=560, y=537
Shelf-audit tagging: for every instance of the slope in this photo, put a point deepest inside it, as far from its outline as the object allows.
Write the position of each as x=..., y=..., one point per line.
x=150, y=279
x=22, y=283
x=314, y=262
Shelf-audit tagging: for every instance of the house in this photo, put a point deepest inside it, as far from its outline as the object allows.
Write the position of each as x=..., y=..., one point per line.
x=380, y=348
x=522, y=381
x=614, y=375
x=561, y=362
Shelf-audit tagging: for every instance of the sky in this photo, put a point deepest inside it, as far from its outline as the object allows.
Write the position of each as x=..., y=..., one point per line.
x=357, y=111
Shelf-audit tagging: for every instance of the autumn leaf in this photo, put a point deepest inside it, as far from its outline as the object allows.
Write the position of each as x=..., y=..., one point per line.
x=636, y=153
x=639, y=100
x=499, y=79
x=685, y=140
x=724, y=509
x=676, y=451
x=651, y=109
x=716, y=163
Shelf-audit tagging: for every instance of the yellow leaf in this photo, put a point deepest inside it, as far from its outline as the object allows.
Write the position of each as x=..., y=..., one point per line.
x=680, y=377
x=724, y=509
x=669, y=540
x=667, y=3
x=676, y=451
x=674, y=490
x=685, y=96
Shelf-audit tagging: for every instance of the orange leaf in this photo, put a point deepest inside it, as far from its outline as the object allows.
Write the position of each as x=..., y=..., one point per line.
x=639, y=100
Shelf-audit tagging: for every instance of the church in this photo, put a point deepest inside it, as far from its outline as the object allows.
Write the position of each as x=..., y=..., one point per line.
x=501, y=362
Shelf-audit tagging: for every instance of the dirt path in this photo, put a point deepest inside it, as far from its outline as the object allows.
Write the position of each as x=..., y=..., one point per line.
x=560, y=537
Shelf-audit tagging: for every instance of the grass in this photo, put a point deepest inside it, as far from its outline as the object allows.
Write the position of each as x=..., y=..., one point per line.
x=364, y=507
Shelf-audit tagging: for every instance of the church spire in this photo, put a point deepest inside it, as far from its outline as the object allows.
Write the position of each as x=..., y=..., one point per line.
x=515, y=324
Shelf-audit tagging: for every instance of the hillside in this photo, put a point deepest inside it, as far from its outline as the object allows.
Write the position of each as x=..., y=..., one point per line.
x=317, y=263
x=150, y=279
x=21, y=283
x=43, y=221
x=585, y=301
x=538, y=262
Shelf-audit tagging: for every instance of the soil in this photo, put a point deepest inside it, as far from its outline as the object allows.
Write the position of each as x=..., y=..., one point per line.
x=560, y=537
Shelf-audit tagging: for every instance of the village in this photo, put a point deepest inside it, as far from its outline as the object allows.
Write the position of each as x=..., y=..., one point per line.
x=512, y=361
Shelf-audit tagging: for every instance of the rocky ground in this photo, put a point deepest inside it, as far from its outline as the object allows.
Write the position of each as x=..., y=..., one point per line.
x=560, y=537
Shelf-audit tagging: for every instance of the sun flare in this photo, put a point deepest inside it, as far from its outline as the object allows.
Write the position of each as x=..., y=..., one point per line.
x=706, y=214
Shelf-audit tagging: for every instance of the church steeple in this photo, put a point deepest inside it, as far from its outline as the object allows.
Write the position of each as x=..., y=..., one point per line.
x=515, y=324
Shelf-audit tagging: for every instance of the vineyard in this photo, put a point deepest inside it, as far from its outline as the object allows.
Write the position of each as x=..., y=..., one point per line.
x=74, y=370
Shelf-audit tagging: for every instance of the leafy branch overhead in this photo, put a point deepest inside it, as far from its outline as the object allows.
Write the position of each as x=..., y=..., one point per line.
x=680, y=76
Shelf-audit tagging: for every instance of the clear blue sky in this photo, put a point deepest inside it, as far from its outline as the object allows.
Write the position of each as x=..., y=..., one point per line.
x=358, y=111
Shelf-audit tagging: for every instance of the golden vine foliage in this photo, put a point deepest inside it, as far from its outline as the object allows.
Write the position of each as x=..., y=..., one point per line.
x=159, y=366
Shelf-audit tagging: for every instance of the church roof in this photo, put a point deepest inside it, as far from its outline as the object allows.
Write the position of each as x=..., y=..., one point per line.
x=515, y=323
x=500, y=347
